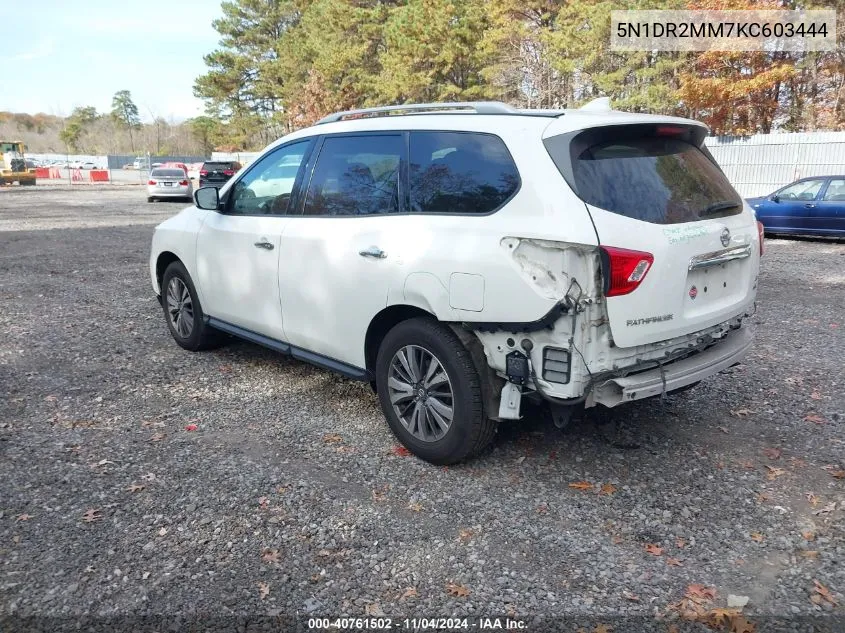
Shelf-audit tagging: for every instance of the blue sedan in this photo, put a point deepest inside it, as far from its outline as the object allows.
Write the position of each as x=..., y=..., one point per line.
x=810, y=206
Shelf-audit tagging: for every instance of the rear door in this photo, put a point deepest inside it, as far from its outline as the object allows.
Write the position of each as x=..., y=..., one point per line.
x=828, y=216
x=652, y=190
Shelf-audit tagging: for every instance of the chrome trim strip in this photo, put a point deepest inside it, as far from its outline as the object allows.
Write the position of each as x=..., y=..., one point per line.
x=720, y=257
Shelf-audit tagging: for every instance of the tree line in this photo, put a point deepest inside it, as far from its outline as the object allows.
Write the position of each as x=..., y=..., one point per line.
x=119, y=131
x=283, y=64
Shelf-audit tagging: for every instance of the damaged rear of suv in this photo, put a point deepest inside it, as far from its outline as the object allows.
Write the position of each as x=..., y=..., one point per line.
x=465, y=258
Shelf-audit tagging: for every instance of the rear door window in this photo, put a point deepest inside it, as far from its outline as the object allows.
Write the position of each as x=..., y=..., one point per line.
x=460, y=172
x=356, y=175
x=649, y=177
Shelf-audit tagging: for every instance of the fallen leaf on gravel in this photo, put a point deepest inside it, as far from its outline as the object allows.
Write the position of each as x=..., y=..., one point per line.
x=263, y=502
x=92, y=515
x=816, y=395
x=607, y=489
x=465, y=535
x=838, y=474
x=457, y=590
x=581, y=485
x=808, y=535
x=812, y=498
x=16, y=539
x=542, y=509
x=380, y=494
x=416, y=507
x=824, y=592
x=809, y=553
x=630, y=596
x=673, y=628
x=773, y=472
x=162, y=531
x=674, y=562
x=830, y=507
x=602, y=628
x=762, y=497
x=815, y=418
x=24, y=517
x=191, y=427
x=700, y=591
x=373, y=609
x=757, y=537
x=741, y=413
x=654, y=550
x=332, y=438
x=270, y=555
x=401, y=451
x=680, y=543
x=263, y=590
x=410, y=592
x=225, y=369
x=135, y=488
x=772, y=453
x=617, y=539
x=157, y=437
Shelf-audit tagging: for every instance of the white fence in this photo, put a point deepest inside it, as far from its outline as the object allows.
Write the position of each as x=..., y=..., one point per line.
x=757, y=165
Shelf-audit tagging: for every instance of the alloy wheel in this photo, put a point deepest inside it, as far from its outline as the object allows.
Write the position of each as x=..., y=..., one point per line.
x=421, y=393
x=180, y=308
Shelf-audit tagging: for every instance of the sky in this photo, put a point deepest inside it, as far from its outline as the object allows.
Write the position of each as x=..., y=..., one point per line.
x=60, y=54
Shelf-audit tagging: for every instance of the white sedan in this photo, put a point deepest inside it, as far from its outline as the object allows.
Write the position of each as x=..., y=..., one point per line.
x=169, y=183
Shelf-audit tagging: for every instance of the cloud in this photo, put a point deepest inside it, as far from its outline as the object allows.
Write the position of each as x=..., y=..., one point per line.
x=43, y=48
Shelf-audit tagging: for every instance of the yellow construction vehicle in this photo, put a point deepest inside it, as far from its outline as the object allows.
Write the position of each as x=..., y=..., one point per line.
x=13, y=164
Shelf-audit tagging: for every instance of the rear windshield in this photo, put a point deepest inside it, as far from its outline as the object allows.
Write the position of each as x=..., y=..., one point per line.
x=168, y=173
x=218, y=166
x=657, y=179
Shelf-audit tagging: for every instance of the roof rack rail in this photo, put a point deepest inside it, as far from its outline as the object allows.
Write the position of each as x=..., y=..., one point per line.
x=478, y=107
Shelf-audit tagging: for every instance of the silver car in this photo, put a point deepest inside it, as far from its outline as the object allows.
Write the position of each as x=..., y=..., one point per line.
x=169, y=183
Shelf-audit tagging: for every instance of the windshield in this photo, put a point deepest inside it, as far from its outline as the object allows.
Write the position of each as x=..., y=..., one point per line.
x=657, y=179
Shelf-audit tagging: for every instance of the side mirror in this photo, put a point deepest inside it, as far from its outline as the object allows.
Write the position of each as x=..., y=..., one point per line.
x=207, y=198
x=775, y=198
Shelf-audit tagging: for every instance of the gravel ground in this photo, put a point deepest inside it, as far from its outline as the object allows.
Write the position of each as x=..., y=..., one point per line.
x=291, y=499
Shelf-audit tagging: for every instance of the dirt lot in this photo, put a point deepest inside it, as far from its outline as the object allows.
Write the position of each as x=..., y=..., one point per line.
x=291, y=499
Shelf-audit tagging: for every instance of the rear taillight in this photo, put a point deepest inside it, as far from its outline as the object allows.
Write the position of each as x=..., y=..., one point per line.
x=228, y=172
x=623, y=269
x=203, y=172
x=152, y=182
x=760, y=232
x=183, y=183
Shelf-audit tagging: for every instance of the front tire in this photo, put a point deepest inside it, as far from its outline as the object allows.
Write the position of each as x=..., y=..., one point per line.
x=430, y=392
x=183, y=312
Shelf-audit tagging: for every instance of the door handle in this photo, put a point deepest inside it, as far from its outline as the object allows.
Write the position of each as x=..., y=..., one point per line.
x=810, y=206
x=265, y=244
x=374, y=252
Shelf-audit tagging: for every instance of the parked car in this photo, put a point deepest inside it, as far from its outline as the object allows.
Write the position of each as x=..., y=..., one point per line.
x=810, y=206
x=168, y=183
x=141, y=163
x=87, y=164
x=217, y=172
x=462, y=262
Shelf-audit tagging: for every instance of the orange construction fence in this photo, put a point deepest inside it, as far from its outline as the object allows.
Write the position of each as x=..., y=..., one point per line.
x=99, y=175
x=42, y=172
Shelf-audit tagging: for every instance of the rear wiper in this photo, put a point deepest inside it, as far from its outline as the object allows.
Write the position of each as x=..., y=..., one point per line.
x=720, y=206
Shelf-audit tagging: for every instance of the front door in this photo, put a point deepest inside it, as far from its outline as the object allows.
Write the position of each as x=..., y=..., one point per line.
x=343, y=253
x=238, y=246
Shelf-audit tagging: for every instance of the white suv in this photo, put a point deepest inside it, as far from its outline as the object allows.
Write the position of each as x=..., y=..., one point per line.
x=465, y=257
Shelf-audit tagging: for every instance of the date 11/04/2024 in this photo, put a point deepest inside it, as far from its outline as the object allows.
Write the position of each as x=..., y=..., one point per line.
x=418, y=624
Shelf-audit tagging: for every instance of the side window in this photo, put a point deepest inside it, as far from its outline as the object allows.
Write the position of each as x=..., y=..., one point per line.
x=460, y=172
x=268, y=185
x=835, y=191
x=805, y=190
x=356, y=175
